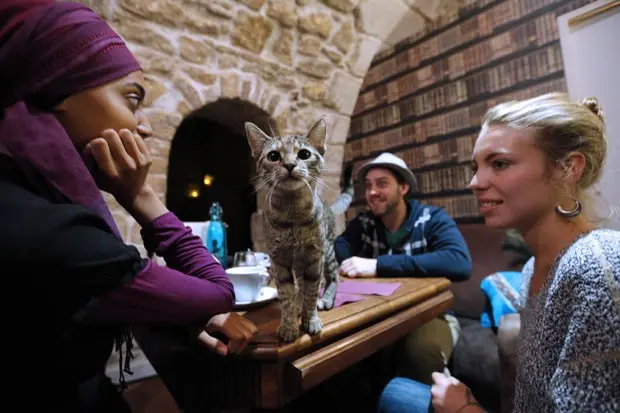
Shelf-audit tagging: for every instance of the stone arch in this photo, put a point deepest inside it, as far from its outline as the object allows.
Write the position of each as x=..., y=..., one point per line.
x=211, y=141
x=295, y=59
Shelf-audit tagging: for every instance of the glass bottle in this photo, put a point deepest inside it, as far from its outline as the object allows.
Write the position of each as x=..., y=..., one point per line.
x=216, y=234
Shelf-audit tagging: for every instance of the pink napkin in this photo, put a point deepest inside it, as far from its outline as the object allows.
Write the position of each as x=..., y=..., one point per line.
x=343, y=298
x=367, y=288
x=352, y=291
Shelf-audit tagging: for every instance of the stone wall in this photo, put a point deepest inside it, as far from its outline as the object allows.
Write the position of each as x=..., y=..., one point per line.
x=295, y=59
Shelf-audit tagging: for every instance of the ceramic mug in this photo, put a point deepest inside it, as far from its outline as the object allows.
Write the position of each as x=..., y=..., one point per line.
x=244, y=259
x=262, y=259
x=247, y=282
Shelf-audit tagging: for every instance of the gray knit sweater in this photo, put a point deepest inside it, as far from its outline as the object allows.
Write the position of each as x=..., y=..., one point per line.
x=569, y=345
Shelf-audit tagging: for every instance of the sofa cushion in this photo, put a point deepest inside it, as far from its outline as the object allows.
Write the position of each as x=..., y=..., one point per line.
x=503, y=292
x=475, y=359
x=485, y=247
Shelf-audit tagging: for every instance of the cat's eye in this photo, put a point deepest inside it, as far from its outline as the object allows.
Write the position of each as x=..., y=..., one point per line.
x=274, y=156
x=304, y=154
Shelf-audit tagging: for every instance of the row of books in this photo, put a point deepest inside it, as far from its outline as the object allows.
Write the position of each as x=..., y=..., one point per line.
x=416, y=134
x=446, y=179
x=439, y=180
x=464, y=206
x=425, y=99
x=455, y=150
x=445, y=18
x=535, y=33
x=457, y=206
x=538, y=64
x=478, y=26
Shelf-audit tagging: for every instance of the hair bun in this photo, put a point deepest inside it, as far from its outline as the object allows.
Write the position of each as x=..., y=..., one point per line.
x=592, y=104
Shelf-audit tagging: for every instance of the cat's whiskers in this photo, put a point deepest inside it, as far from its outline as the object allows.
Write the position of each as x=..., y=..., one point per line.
x=270, y=193
x=324, y=184
x=262, y=183
x=308, y=185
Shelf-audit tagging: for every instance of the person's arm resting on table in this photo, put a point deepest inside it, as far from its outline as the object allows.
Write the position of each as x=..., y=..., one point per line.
x=347, y=248
x=448, y=255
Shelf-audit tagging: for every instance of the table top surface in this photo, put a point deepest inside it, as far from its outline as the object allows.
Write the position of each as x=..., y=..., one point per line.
x=339, y=321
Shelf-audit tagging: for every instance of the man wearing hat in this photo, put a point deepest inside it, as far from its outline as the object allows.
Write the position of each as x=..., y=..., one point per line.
x=400, y=237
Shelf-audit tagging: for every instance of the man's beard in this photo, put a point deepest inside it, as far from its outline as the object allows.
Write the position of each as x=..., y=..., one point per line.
x=390, y=205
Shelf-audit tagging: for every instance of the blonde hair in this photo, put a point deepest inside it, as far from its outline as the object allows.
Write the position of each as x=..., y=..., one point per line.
x=564, y=127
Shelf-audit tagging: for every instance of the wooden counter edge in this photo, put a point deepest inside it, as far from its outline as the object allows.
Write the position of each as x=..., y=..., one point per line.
x=316, y=367
x=333, y=330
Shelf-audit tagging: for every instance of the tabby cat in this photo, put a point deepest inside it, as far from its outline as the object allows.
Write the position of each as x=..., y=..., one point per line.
x=299, y=226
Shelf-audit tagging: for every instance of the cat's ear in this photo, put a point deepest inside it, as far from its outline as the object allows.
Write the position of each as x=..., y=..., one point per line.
x=256, y=138
x=317, y=135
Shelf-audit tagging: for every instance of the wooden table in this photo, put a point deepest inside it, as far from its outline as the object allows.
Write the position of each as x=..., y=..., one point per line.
x=270, y=374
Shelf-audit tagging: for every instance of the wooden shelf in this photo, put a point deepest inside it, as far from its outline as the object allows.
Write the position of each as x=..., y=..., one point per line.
x=429, y=195
x=426, y=168
x=478, y=61
x=478, y=99
x=406, y=44
x=429, y=141
x=497, y=31
x=450, y=192
x=491, y=64
x=470, y=220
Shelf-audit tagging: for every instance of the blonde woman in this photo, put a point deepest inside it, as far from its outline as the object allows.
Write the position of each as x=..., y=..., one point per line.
x=534, y=161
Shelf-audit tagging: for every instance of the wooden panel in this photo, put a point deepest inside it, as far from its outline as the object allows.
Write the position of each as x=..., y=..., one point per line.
x=484, y=245
x=270, y=392
x=339, y=321
x=200, y=380
x=326, y=362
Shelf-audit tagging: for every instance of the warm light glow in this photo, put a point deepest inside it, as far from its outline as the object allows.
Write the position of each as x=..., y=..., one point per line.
x=193, y=193
x=208, y=180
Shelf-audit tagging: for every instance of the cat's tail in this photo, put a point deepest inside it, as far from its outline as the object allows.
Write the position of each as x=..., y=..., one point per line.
x=346, y=197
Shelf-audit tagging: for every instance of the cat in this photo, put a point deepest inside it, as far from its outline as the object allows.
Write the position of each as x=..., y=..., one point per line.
x=299, y=226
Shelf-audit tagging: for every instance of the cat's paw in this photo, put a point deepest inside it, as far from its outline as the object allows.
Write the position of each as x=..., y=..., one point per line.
x=325, y=304
x=288, y=332
x=312, y=326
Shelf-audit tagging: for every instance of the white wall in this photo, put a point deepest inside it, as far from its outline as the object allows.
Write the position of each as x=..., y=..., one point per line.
x=591, y=52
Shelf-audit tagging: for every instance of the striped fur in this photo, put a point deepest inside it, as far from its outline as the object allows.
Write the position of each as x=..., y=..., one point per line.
x=299, y=225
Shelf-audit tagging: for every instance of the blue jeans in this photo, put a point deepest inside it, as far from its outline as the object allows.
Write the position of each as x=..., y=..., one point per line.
x=402, y=395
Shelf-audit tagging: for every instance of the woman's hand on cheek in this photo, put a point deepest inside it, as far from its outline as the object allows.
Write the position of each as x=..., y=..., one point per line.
x=124, y=162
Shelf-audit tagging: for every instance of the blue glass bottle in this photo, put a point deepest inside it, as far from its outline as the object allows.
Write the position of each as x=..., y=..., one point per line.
x=216, y=234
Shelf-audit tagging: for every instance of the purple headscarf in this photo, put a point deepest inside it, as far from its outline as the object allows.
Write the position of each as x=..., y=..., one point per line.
x=49, y=51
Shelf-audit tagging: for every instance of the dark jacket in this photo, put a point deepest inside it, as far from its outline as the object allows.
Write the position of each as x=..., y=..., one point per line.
x=434, y=246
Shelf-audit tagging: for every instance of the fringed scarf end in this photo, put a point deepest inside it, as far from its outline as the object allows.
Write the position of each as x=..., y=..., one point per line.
x=124, y=360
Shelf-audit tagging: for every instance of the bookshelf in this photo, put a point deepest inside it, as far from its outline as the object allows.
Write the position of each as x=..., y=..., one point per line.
x=424, y=98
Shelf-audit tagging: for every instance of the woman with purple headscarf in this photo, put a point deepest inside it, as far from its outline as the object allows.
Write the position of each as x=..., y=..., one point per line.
x=70, y=125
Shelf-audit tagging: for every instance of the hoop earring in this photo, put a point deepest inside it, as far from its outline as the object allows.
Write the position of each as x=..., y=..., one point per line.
x=570, y=213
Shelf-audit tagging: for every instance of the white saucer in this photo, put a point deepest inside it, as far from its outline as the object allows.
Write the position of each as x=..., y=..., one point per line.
x=264, y=296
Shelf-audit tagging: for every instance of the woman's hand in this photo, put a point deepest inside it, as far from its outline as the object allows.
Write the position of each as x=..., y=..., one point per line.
x=124, y=161
x=236, y=328
x=451, y=396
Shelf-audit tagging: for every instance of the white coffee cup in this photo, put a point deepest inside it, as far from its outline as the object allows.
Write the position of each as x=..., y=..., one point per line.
x=262, y=259
x=247, y=282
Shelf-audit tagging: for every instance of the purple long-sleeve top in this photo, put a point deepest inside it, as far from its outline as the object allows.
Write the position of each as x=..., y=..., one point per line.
x=192, y=287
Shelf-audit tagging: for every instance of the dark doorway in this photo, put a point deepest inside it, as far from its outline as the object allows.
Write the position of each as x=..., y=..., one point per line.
x=203, y=149
x=211, y=143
